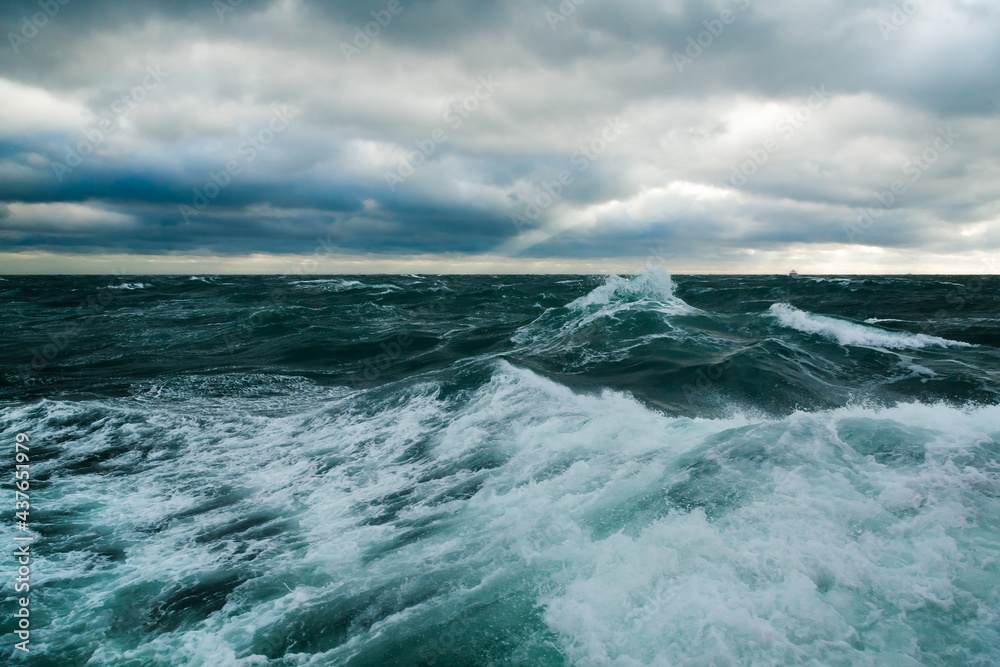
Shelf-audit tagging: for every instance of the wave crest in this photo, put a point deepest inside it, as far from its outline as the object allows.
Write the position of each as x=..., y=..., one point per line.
x=655, y=285
x=851, y=333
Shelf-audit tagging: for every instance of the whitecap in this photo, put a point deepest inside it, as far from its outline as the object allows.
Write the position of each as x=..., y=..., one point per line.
x=846, y=332
x=655, y=286
x=343, y=285
x=585, y=522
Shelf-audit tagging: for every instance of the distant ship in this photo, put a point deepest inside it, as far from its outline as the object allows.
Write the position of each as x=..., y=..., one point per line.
x=793, y=274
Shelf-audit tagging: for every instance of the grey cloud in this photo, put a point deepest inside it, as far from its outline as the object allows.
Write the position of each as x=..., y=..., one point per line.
x=326, y=175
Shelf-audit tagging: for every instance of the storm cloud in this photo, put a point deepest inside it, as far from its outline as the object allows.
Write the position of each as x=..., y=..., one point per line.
x=723, y=135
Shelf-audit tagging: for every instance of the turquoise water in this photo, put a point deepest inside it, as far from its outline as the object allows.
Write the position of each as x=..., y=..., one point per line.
x=493, y=470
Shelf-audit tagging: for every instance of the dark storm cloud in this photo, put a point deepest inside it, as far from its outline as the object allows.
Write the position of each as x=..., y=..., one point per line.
x=701, y=86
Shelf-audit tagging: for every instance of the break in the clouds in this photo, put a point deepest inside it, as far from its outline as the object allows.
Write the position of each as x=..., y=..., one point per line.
x=724, y=135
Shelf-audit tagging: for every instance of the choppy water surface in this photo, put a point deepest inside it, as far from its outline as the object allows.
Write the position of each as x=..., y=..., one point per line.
x=494, y=470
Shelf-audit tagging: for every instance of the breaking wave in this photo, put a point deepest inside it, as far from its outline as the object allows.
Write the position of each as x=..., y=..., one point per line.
x=852, y=333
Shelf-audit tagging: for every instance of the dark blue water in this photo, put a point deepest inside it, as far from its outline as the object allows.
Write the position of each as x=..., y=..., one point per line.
x=477, y=470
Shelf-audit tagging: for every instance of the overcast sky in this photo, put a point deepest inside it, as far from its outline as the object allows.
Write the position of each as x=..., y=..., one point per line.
x=518, y=135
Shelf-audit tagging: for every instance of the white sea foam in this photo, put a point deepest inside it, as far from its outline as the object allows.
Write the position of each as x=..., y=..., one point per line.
x=130, y=286
x=852, y=333
x=556, y=329
x=654, y=287
x=526, y=510
x=343, y=285
x=819, y=279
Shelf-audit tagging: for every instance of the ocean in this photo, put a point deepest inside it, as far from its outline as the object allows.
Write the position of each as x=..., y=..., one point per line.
x=505, y=470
